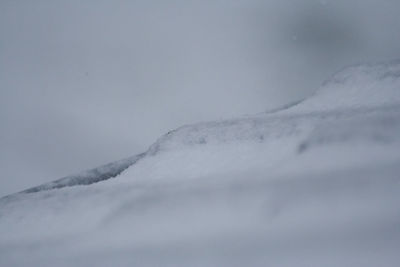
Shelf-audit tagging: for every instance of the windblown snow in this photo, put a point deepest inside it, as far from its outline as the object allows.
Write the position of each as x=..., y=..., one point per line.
x=316, y=183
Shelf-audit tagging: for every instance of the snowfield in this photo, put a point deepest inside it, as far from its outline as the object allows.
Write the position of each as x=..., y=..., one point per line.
x=316, y=183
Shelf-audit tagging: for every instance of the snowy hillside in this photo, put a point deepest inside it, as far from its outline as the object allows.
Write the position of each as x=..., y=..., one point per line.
x=313, y=184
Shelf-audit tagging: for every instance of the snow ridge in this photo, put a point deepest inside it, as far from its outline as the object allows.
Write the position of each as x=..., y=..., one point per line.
x=104, y=172
x=352, y=92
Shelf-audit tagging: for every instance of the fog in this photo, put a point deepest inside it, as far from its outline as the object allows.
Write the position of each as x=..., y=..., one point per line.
x=83, y=83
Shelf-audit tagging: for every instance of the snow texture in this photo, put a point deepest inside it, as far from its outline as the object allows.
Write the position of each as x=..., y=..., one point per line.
x=92, y=176
x=315, y=183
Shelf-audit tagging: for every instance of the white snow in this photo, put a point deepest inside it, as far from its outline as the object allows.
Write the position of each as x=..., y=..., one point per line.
x=313, y=184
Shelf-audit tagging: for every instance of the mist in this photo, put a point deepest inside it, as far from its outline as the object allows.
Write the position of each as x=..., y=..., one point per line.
x=83, y=83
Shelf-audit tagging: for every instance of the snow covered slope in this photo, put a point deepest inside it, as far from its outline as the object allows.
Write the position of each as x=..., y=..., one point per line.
x=313, y=184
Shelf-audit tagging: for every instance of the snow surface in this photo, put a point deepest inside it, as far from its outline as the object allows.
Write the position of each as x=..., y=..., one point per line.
x=316, y=183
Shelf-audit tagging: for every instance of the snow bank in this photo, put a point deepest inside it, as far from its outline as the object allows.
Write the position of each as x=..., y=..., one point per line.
x=313, y=184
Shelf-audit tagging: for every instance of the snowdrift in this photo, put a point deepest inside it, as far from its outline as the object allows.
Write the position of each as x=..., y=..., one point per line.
x=313, y=184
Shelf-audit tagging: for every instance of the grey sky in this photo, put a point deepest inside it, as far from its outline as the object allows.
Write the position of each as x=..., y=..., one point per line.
x=83, y=83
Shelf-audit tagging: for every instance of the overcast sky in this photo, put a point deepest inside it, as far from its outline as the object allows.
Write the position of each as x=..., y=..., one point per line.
x=83, y=83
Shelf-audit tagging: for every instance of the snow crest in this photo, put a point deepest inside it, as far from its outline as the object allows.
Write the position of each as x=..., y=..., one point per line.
x=365, y=85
